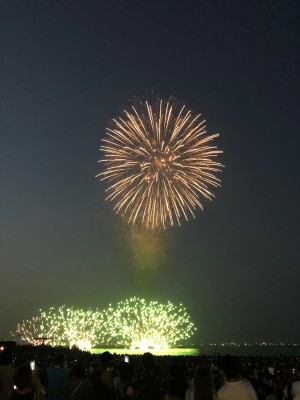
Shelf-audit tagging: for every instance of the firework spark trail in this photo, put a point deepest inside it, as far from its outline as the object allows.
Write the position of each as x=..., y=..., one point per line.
x=158, y=163
x=35, y=331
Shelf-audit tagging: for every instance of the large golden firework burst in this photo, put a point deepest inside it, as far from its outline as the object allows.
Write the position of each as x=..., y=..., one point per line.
x=158, y=162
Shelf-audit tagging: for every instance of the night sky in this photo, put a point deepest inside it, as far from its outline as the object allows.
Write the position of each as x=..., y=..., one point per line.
x=67, y=67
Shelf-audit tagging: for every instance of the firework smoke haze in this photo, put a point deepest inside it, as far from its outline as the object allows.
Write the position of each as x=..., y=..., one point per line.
x=158, y=163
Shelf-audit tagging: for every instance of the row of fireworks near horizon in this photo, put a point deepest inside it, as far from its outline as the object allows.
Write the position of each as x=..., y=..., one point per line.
x=133, y=323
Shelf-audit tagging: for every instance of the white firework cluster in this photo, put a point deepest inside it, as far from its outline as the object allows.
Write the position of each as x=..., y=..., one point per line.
x=63, y=326
x=35, y=331
x=138, y=324
x=75, y=327
x=133, y=323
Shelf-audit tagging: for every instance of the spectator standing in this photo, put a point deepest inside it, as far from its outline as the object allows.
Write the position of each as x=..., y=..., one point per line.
x=6, y=374
x=78, y=387
x=172, y=390
x=202, y=389
x=147, y=385
x=102, y=379
x=235, y=388
x=122, y=382
x=295, y=390
x=28, y=387
x=57, y=378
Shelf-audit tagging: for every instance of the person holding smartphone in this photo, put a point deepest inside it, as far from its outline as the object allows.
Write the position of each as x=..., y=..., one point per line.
x=27, y=386
x=123, y=381
x=102, y=379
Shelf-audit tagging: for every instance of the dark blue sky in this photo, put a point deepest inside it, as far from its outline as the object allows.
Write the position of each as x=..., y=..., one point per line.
x=66, y=68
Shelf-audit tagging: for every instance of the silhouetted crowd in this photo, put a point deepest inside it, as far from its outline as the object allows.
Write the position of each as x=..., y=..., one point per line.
x=43, y=372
